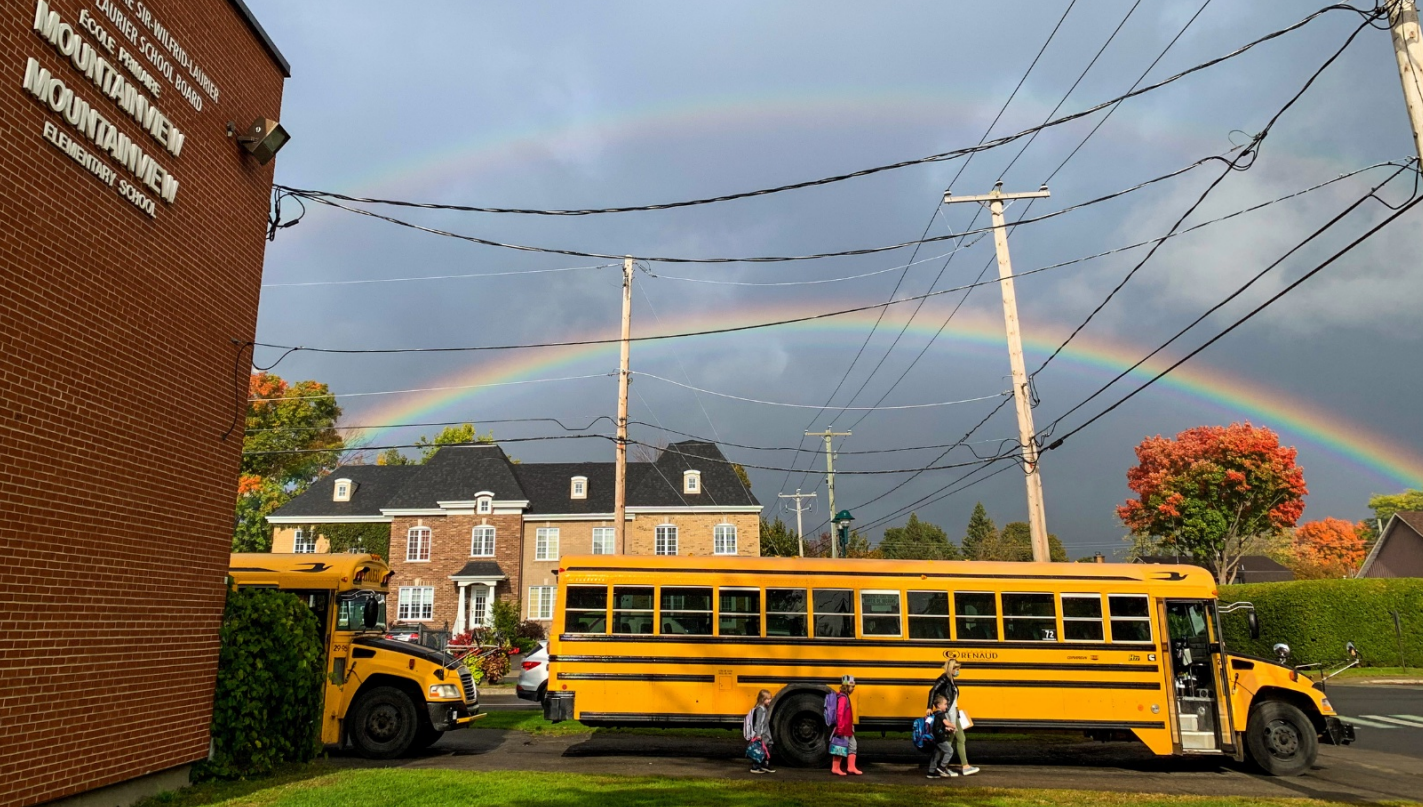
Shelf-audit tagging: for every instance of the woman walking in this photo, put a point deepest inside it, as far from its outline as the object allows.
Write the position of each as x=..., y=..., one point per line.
x=841, y=716
x=946, y=687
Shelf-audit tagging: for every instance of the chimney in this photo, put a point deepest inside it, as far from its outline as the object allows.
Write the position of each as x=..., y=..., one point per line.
x=1097, y=558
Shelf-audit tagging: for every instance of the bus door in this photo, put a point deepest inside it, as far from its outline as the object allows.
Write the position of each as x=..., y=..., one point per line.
x=1196, y=675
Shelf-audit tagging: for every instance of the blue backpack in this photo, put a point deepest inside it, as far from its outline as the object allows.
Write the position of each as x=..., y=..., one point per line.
x=923, y=732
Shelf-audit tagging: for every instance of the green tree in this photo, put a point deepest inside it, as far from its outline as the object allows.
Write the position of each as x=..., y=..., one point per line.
x=741, y=474
x=1384, y=506
x=1015, y=543
x=778, y=540
x=289, y=441
x=463, y=434
x=981, y=532
x=918, y=540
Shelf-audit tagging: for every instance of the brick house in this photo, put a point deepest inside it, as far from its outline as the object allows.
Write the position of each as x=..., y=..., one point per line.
x=471, y=525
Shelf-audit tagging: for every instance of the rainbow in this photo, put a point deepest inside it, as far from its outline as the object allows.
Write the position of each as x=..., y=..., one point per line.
x=978, y=337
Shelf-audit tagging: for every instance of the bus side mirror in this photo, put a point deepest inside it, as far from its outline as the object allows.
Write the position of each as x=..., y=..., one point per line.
x=1282, y=652
x=371, y=613
x=1254, y=622
x=1351, y=650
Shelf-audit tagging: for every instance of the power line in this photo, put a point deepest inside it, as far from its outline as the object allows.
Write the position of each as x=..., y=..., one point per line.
x=940, y=495
x=348, y=449
x=838, y=472
x=431, y=277
x=472, y=421
x=427, y=389
x=813, y=406
x=816, y=282
x=311, y=194
x=1243, y=162
x=1286, y=290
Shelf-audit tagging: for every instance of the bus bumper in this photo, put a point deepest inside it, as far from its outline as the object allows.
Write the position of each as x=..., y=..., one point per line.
x=449, y=715
x=1337, y=732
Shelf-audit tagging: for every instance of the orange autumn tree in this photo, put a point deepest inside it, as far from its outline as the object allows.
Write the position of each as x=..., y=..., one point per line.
x=1213, y=492
x=1328, y=548
x=290, y=441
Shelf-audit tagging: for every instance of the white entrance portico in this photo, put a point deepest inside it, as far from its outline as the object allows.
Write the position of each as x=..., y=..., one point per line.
x=476, y=582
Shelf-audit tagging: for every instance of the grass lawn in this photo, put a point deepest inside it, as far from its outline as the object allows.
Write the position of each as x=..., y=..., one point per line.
x=320, y=787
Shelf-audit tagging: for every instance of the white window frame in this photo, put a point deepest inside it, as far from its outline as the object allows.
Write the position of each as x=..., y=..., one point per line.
x=1101, y=619
x=484, y=505
x=413, y=544
x=692, y=482
x=485, y=531
x=342, y=491
x=301, y=545
x=541, y=602
x=419, y=608
x=546, y=543
x=578, y=487
x=663, y=536
x=609, y=536
x=718, y=534
x=1151, y=629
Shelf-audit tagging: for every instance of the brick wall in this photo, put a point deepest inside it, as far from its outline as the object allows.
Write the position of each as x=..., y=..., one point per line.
x=449, y=552
x=116, y=383
x=694, y=532
x=574, y=538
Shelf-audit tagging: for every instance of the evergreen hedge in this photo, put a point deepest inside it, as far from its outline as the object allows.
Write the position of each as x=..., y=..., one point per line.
x=1316, y=617
x=270, y=679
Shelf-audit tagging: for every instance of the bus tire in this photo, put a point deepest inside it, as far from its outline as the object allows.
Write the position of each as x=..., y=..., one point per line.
x=383, y=723
x=425, y=736
x=1281, y=739
x=798, y=726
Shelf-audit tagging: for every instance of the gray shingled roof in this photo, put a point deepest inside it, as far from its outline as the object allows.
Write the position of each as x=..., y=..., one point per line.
x=549, y=486
x=456, y=473
x=661, y=486
x=374, y=486
x=480, y=568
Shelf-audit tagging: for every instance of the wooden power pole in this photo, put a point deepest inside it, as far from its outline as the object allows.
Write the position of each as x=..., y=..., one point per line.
x=620, y=494
x=1403, y=19
x=830, y=481
x=1037, y=519
x=799, y=510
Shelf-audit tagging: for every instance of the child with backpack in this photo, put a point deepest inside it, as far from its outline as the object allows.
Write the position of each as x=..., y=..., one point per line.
x=941, y=731
x=756, y=728
x=840, y=717
x=947, y=688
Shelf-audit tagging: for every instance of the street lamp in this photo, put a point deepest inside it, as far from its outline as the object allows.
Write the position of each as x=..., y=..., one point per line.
x=842, y=531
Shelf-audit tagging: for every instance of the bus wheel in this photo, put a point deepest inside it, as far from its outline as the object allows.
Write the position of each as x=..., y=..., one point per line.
x=425, y=736
x=802, y=737
x=383, y=723
x=1281, y=739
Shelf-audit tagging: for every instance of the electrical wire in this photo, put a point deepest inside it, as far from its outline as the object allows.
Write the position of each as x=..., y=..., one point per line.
x=594, y=420
x=813, y=406
x=940, y=495
x=428, y=389
x=431, y=277
x=311, y=194
x=1243, y=162
x=818, y=282
x=347, y=449
x=1266, y=304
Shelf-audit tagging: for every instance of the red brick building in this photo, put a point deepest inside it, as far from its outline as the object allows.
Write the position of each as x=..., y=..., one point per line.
x=130, y=266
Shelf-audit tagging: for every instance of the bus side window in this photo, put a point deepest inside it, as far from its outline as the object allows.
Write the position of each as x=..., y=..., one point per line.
x=1082, y=617
x=928, y=615
x=740, y=612
x=632, y=609
x=977, y=615
x=834, y=613
x=586, y=610
x=785, y=612
x=1029, y=617
x=1131, y=617
x=879, y=613
x=686, y=611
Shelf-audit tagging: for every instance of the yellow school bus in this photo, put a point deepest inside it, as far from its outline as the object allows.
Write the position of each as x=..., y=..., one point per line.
x=385, y=698
x=1114, y=650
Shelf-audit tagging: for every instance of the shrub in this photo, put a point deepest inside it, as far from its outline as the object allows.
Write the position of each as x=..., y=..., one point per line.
x=1316, y=617
x=494, y=665
x=529, y=629
x=270, y=679
x=504, y=617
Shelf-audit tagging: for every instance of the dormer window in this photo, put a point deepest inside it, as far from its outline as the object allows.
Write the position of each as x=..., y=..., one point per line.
x=692, y=482
x=580, y=488
x=343, y=490
x=484, y=505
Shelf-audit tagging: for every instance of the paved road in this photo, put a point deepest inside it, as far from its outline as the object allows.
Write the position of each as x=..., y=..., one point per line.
x=503, y=700
x=1377, y=768
x=1385, y=718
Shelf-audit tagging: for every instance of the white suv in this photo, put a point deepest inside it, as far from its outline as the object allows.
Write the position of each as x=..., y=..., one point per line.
x=533, y=679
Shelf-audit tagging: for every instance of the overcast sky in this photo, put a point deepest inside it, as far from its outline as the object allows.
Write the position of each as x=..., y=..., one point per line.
x=573, y=105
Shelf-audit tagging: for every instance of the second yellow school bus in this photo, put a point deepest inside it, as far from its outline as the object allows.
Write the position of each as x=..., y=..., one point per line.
x=1108, y=649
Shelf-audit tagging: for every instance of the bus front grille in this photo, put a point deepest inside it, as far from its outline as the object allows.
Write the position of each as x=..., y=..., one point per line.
x=467, y=681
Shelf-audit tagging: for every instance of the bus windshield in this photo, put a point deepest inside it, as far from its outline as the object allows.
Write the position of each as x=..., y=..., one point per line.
x=360, y=611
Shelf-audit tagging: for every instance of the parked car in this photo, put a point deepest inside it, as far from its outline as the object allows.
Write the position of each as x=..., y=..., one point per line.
x=533, y=679
x=403, y=633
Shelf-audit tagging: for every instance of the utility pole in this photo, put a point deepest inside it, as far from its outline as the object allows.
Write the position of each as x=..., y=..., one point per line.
x=621, y=474
x=799, y=527
x=830, y=479
x=1037, y=519
x=1403, y=19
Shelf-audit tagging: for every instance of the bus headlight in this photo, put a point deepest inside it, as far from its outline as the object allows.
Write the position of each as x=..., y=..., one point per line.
x=444, y=691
